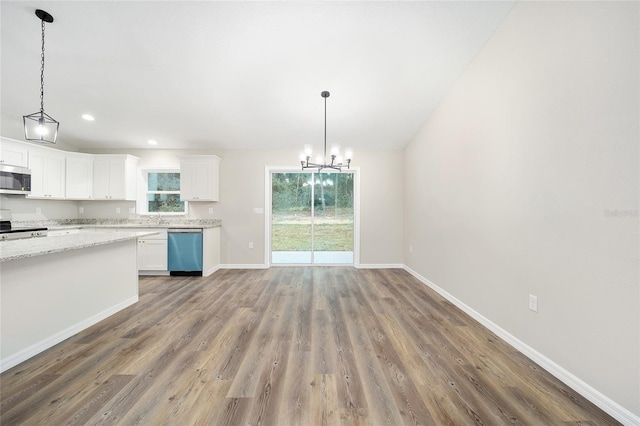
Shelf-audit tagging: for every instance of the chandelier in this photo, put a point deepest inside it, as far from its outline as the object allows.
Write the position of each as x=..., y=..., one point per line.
x=40, y=126
x=337, y=162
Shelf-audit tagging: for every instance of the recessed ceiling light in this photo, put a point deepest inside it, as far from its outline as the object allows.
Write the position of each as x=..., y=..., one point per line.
x=152, y=142
x=88, y=117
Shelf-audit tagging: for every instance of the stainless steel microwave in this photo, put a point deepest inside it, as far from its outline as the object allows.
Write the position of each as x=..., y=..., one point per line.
x=14, y=180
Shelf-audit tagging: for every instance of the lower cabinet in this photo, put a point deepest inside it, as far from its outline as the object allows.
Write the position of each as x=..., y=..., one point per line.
x=152, y=252
x=210, y=251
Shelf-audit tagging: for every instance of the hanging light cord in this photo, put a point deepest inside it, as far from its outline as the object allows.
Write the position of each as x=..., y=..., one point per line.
x=42, y=73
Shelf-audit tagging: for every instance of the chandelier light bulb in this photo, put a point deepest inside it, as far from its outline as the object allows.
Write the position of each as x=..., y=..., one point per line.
x=348, y=154
x=303, y=157
x=41, y=130
x=308, y=150
x=335, y=149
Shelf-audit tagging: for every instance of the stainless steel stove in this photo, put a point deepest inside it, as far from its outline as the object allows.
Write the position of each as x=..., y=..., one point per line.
x=8, y=232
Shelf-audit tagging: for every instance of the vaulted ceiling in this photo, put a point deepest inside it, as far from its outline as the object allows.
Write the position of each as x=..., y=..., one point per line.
x=237, y=75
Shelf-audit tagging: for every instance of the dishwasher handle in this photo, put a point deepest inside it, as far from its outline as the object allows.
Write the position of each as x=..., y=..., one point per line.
x=184, y=230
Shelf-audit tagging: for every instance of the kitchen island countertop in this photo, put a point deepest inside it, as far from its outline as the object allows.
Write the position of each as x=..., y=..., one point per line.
x=29, y=247
x=150, y=222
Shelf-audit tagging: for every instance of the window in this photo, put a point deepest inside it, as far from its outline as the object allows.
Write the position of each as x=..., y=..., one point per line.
x=162, y=192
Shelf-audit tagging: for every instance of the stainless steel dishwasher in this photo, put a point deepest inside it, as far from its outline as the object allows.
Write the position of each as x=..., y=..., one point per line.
x=185, y=251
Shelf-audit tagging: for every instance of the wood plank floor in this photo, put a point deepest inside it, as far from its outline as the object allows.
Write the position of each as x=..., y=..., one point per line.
x=288, y=346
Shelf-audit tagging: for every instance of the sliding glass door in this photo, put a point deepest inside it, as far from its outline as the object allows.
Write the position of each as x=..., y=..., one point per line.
x=312, y=218
x=291, y=218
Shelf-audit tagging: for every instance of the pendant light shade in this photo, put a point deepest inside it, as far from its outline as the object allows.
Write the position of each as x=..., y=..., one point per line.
x=40, y=126
x=337, y=161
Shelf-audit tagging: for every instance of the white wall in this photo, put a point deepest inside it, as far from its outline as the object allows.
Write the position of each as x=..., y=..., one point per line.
x=26, y=209
x=242, y=189
x=525, y=181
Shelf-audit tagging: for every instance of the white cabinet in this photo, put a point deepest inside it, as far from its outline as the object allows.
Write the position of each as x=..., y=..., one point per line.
x=199, y=178
x=210, y=251
x=152, y=255
x=13, y=153
x=152, y=251
x=47, y=173
x=114, y=177
x=79, y=176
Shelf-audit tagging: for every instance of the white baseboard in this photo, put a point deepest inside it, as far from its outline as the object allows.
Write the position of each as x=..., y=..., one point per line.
x=210, y=271
x=379, y=266
x=243, y=266
x=26, y=353
x=153, y=273
x=265, y=266
x=605, y=403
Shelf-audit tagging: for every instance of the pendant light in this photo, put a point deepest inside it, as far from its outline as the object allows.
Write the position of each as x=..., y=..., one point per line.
x=40, y=126
x=337, y=162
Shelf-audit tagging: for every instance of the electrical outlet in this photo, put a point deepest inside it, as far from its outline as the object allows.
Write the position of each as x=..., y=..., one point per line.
x=38, y=210
x=410, y=248
x=132, y=210
x=533, y=303
x=210, y=210
x=250, y=245
x=81, y=210
x=117, y=210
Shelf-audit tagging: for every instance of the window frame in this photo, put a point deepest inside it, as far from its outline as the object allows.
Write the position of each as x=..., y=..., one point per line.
x=141, y=203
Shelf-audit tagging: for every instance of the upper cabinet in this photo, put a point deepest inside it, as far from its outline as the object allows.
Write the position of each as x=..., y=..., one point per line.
x=199, y=178
x=13, y=153
x=47, y=173
x=79, y=176
x=114, y=177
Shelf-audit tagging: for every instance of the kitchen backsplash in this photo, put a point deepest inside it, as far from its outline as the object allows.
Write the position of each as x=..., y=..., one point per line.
x=25, y=209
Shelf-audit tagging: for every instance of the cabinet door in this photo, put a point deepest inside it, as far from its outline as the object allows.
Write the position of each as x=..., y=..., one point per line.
x=54, y=183
x=152, y=255
x=117, y=180
x=202, y=181
x=36, y=164
x=13, y=153
x=47, y=173
x=187, y=171
x=100, y=178
x=199, y=179
x=79, y=177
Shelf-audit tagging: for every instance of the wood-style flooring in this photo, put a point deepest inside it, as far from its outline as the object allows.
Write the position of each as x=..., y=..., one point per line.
x=288, y=346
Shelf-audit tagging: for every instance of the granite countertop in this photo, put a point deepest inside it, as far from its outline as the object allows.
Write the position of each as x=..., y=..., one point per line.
x=148, y=222
x=29, y=247
x=133, y=226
